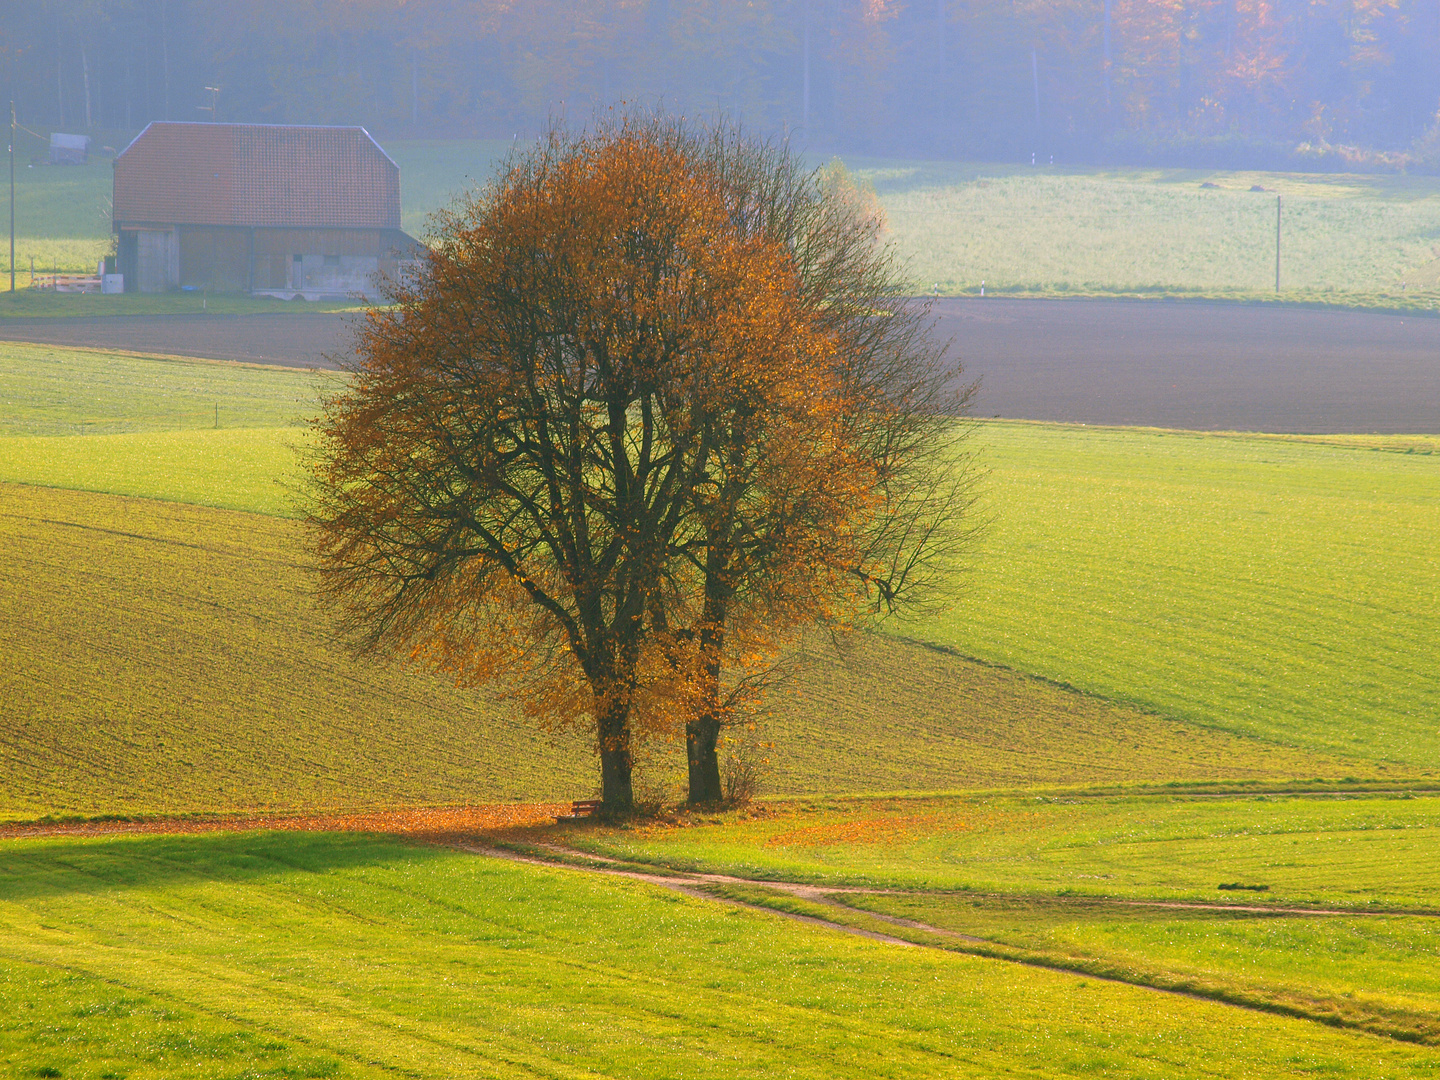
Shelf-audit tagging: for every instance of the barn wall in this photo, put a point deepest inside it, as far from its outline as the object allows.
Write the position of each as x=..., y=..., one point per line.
x=335, y=261
x=217, y=259
x=238, y=259
x=149, y=259
x=318, y=242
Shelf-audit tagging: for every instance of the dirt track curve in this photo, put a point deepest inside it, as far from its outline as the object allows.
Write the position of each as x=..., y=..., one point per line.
x=710, y=887
x=473, y=829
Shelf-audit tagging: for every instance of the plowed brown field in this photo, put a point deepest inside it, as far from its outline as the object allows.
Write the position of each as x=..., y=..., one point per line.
x=1197, y=366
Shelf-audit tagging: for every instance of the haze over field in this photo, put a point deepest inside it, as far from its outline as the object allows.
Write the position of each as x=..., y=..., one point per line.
x=1229, y=82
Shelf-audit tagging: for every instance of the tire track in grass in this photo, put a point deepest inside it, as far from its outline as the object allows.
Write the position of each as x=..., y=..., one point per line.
x=790, y=899
x=338, y=1021
x=335, y=1023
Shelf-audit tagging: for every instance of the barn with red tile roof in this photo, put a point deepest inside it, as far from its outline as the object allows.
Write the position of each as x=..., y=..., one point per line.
x=262, y=208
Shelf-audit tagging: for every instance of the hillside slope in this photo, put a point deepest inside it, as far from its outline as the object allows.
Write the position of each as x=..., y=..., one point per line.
x=169, y=658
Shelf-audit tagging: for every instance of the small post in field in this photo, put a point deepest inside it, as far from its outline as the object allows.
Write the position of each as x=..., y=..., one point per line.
x=1277, y=243
x=217, y=414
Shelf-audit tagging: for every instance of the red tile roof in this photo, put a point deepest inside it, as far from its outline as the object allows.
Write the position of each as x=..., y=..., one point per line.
x=262, y=175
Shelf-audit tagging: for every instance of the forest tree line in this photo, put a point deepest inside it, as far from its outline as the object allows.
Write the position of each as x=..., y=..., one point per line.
x=1332, y=83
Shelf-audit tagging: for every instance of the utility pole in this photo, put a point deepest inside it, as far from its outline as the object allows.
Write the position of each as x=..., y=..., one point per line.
x=1277, y=243
x=12, y=200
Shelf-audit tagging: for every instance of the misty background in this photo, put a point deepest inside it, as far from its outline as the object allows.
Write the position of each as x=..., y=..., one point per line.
x=1311, y=84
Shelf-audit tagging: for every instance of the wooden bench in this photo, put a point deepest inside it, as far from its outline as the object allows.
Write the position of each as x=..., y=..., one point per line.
x=582, y=808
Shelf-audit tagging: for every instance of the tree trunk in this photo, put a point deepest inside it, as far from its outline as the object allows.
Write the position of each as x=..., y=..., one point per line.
x=616, y=792
x=702, y=736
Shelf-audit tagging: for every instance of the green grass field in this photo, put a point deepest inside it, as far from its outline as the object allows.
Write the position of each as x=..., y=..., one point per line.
x=1346, y=239
x=1088, y=885
x=233, y=469
x=198, y=431
x=1266, y=586
x=267, y=711
x=56, y=391
x=296, y=955
x=1053, y=231
x=1261, y=585
x=1247, y=613
x=1352, y=851
x=162, y=658
x=62, y=219
x=1377, y=972
x=949, y=723
x=1352, y=240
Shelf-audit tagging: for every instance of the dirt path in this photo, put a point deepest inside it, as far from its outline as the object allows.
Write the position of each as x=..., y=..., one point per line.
x=693, y=882
x=456, y=827
x=459, y=826
x=1397, y=1024
x=462, y=828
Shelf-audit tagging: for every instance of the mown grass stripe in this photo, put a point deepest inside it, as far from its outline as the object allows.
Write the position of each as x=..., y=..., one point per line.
x=406, y=955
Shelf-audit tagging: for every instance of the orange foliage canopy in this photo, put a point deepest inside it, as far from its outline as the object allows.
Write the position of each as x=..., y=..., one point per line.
x=538, y=431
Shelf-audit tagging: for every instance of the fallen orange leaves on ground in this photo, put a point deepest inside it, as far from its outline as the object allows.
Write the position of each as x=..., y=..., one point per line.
x=425, y=823
x=867, y=831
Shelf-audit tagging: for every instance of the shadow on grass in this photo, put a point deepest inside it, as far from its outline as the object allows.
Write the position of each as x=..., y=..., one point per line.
x=61, y=866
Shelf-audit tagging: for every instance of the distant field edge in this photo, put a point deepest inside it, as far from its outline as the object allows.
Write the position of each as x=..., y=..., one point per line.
x=160, y=357
x=426, y=822
x=45, y=305
x=1398, y=443
x=464, y=818
x=1427, y=304
x=49, y=307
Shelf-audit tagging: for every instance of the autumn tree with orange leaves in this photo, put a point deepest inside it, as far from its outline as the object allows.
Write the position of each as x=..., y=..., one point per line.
x=603, y=450
x=776, y=557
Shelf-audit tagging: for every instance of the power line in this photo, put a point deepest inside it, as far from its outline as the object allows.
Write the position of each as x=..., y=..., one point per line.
x=14, y=124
